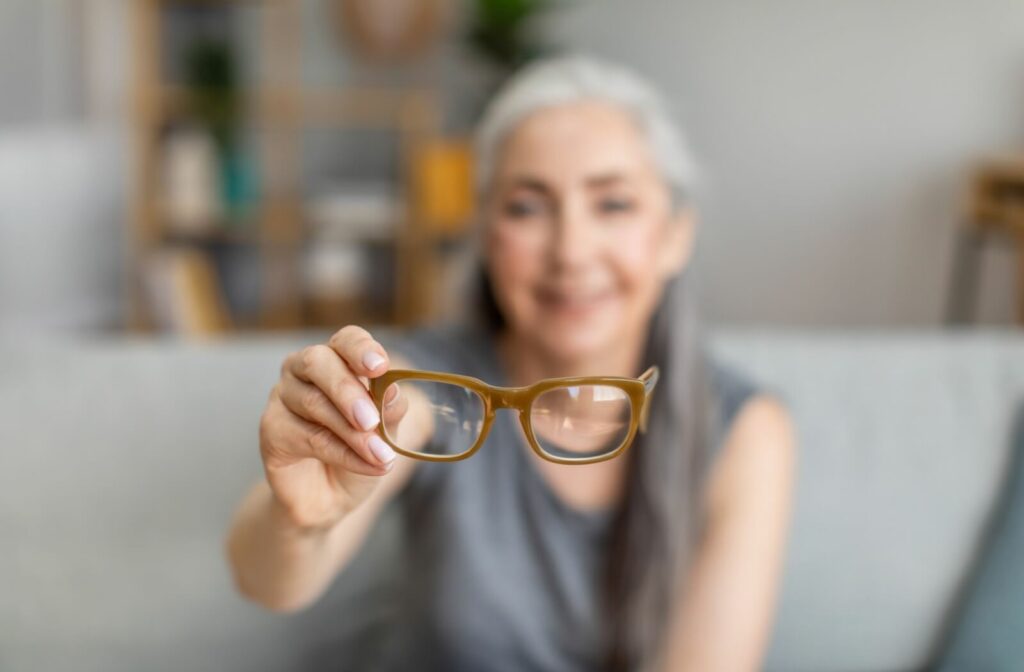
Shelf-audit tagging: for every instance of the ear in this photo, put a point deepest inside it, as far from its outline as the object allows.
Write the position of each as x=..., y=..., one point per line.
x=679, y=242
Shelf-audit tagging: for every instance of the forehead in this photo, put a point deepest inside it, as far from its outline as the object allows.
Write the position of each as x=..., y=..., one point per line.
x=573, y=141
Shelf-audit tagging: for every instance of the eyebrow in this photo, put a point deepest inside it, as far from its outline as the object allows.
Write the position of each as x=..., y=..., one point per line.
x=534, y=184
x=605, y=179
x=530, y=183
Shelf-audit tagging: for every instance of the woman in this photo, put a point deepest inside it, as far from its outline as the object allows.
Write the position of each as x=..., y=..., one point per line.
x=666, y=557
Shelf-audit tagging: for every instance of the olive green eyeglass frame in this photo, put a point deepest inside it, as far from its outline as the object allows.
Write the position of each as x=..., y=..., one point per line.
x=520, y=399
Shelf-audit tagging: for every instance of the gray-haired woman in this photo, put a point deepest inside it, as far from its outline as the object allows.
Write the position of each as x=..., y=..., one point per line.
x=665, y=557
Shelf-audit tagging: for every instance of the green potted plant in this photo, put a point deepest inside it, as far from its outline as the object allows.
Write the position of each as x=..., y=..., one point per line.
x=211, y=78
x=504, y=34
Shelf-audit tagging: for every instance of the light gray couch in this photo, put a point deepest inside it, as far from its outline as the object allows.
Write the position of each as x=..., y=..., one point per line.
x=121, y=462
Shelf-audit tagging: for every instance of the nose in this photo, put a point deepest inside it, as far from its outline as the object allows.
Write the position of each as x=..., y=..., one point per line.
x=573, y=237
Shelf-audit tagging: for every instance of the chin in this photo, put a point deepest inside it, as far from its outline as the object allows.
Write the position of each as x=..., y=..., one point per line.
x=569, y=334
x=572, y=339
x=578, y=344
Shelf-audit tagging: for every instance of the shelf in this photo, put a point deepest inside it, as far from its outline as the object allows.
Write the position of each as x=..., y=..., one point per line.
x=226, y=231
x=363, y=107
x=215, y=3
x=216, y=237
x=251, y=235
x=275, y=235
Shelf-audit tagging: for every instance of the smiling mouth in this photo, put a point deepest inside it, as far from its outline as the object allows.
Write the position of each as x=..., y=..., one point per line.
x=573, y=301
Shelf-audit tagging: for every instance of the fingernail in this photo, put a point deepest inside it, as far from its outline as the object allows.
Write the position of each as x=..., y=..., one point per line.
x=372, y=360
x=394, y=392
x=381, y=450
x=366, y=414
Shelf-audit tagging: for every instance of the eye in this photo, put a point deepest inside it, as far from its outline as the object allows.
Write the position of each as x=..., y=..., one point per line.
x=522, y=208
x=616, y=205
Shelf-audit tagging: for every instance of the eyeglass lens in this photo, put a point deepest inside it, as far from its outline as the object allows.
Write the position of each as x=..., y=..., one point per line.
x=455, y=415
x=581, y=421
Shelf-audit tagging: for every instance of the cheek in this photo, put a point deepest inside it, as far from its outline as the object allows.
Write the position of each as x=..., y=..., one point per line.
x=514, y=268
x=509, y=257
x=635, y=256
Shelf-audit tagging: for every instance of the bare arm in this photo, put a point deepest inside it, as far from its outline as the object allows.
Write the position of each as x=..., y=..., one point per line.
x=285, y=566
x=328, y=474
x=723, y=615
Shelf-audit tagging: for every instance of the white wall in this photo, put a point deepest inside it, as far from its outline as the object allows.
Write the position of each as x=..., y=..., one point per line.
x=835, y=136
x=40, y=59
x=62, y=165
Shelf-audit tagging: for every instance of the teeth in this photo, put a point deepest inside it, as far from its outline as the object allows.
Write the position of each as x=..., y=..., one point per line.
x=576, y=300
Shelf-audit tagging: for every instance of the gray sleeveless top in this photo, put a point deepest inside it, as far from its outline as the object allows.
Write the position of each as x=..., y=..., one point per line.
x=500, y=573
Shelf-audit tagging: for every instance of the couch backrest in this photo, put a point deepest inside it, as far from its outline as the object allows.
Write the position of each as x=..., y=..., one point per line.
x=121, y=462
x=904, y=440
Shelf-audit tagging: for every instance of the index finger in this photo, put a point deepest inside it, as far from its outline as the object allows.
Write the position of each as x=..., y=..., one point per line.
x=363, y=355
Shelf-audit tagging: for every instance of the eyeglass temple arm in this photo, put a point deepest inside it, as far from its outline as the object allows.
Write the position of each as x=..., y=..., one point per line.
x=650, y=379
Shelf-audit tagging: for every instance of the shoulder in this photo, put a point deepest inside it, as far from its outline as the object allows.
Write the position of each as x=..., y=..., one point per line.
x=757, y=459
x=731, y=388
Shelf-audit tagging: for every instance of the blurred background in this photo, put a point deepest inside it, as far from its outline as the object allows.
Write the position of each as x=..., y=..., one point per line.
x=209, y=167
x=266, y=171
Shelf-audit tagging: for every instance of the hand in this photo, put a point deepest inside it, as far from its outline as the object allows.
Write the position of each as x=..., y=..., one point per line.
x=320, y=452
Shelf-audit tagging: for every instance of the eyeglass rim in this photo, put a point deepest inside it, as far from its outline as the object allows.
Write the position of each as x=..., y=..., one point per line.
x=520, y=399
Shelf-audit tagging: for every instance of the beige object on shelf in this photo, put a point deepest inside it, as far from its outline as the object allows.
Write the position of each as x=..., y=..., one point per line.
x=336, y=271
x=191, y=182
x=185, y=294
x=355, y=211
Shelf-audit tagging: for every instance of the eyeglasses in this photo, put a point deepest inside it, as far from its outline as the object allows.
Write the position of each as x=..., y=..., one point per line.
x=445, y=417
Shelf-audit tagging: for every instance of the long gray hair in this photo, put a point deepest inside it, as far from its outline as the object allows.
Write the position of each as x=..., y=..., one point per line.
x=658, y=518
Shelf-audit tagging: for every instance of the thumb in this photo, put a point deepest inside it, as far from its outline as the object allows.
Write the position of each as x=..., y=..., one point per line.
x=393, y=409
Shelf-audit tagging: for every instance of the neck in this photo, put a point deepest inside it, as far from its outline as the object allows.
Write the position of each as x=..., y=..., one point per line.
x=525, y=363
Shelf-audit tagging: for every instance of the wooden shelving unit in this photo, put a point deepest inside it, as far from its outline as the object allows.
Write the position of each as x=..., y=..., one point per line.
x=281, y=108
x=994, y=212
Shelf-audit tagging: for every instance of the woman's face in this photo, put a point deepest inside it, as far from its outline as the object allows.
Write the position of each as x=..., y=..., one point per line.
x=581, y=236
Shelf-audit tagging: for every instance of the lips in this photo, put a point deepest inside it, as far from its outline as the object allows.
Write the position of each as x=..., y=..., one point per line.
x=573, y=300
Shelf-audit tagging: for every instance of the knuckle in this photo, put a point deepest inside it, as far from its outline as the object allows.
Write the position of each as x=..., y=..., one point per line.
x=336, y=397
x=307, y=357
x=320, y=441
x=343, y=334
x=349, y=335
x=291, y=362
x=322, y=351
x=357, y=332
x=267, y=430
x=346, y=390
x=313, y=356
x=312, y=399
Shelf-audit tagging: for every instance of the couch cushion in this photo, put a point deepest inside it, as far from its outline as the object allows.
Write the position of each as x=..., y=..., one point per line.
x=122, y=462
x=903, y=443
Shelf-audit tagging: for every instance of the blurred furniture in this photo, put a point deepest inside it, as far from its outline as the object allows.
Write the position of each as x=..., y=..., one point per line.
x=995, y=211
x=123, y=461
x=281, y=108
x=390, y=30
x=60, y=224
